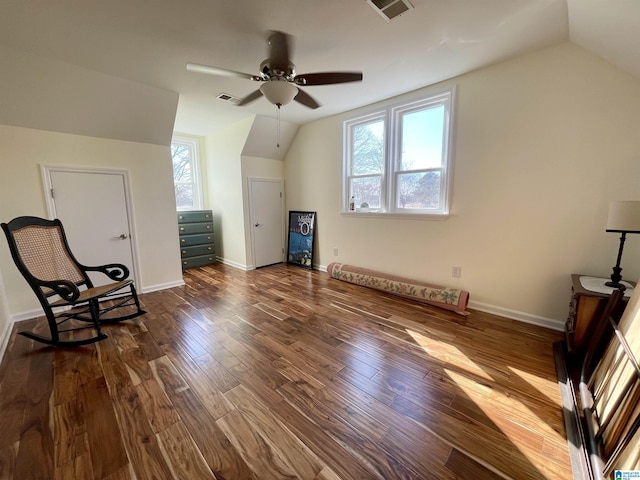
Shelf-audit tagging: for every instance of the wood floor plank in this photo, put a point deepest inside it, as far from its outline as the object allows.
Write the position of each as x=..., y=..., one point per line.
x=342, y=462
x=182, y=455
x=139, y=439
x=295, y=453
x=373, y=458
x=220, y=376
x=407, y=446
x=221, y=457
x=8, y=455
x=169, y=378
x=104, y=439
x=158, y=407
x=256, y=451
x=13, y=401
x=212, y=399
x=35, y=457
x=70, y=436
x=283, y=372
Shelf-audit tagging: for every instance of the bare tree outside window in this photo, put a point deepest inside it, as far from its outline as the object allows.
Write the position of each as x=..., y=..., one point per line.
x=185, y=178
x=367, y=164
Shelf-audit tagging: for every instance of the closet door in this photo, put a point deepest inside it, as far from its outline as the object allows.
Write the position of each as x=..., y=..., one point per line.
x=92, y=206
x=266, y=205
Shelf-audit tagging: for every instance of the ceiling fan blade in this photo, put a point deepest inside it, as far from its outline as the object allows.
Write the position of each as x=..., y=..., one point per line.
x=279, y=50
x=250, y=98
x=305, y=99
x=196, y=67
x=327, y=78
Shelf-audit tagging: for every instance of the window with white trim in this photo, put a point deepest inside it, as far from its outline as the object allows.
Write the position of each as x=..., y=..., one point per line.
x=397, y=160
x=186, y=174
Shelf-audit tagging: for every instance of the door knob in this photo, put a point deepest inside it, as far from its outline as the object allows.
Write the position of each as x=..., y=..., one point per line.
x=123, y=236
x=257, y=224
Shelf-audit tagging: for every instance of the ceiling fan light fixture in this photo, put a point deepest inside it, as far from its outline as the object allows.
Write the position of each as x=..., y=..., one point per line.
x=279, y=92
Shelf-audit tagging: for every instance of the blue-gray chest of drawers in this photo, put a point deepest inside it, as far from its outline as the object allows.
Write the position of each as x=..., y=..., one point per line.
x=195, y=230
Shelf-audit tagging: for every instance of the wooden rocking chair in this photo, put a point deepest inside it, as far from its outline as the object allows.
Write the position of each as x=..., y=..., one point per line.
x=40, y=251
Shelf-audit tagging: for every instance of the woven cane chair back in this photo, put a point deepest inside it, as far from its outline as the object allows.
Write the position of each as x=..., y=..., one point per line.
x=43, y=252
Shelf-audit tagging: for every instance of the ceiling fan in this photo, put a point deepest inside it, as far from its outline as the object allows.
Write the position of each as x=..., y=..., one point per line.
x=277, y=74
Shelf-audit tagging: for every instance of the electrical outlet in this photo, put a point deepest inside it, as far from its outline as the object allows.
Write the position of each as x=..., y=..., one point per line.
x=456, y=271
x=335, y=251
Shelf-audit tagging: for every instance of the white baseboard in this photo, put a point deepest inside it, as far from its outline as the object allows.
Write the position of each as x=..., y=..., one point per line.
x=28, y=315
x=551, y=323
x=12, y=320
x=4, y=338
x=162, y=286
x=235, y=264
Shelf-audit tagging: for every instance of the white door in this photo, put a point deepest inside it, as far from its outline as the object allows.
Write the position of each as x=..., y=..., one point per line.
x=266, y=204
x=92, y=206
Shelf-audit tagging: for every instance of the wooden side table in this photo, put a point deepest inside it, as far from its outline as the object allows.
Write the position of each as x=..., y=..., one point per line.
x=585, y=308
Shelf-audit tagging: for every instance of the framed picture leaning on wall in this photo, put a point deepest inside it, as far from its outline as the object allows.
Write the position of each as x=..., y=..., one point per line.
x=301, y=229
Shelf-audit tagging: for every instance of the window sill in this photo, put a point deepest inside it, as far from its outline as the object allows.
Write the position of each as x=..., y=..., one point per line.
x=412, y=216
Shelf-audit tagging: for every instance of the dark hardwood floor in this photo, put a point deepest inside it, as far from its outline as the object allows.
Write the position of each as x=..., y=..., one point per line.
x=284, y=373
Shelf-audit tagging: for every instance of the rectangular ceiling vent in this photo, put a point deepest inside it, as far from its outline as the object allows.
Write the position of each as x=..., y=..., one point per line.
x=228, y=98
x=390, y=9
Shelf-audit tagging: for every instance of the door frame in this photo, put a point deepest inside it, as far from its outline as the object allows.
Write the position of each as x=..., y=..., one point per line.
x=250, y=181
x=46, y=171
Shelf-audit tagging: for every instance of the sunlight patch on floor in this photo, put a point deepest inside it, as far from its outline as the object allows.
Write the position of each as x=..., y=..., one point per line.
x=448, y=353
x=546, y=386
x=520, y=426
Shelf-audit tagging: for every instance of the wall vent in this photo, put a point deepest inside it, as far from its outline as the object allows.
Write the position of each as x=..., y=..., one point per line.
x=228, y=98
x=390, y=9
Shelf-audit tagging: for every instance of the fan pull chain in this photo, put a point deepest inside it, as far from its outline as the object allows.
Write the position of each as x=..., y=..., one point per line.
x=278, y=129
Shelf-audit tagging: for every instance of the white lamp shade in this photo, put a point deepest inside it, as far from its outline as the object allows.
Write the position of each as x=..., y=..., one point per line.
x=624, y=217
x=279, y=92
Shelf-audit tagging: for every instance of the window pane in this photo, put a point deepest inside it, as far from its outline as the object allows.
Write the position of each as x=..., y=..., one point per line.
x=419, y=190
x=422, y=136
x=368, y=148
x=367, y=190
x=181, y=156
x=184, y=196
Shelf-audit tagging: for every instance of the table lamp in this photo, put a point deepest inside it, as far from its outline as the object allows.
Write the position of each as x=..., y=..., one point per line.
x=624, y=217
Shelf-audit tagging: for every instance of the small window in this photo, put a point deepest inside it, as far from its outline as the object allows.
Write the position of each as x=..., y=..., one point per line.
x=367, y=146
x=186, y=177
x=397, y=160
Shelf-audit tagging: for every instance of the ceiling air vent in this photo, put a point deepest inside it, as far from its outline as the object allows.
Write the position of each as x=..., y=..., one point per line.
x=390, y=9
x=228, y=98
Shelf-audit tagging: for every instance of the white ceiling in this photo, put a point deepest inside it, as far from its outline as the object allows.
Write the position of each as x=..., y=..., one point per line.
x=150, y=42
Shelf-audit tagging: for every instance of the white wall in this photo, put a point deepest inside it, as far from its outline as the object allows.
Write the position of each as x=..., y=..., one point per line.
x=543, y=143
x=228, y=171
x=224, y=170
x=23, y=150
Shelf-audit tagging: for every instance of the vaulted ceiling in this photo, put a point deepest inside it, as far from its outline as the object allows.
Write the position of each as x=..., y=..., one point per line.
x=150, y=43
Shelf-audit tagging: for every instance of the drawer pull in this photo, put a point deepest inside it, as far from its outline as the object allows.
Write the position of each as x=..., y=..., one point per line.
x=185, y=263
x=184, y=252
x=208, y=238
x=183, y=241
x=181, y=217
x=182, y=229
x=208, y=248
x=206, y=215
x=208, y=227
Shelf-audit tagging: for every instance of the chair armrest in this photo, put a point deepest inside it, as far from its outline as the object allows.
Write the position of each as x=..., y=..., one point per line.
x=115, y=271
x=68, y=291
